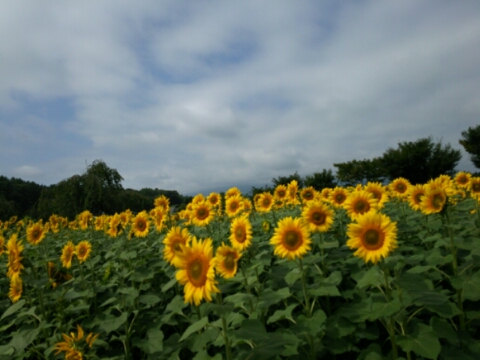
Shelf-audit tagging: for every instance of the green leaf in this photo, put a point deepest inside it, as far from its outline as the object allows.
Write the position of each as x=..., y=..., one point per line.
x=153, y=343
x=149, y=299
x=203, y=355
x=200, y=324
x=142, y=273
x=109, y=301
x=381, y=308
x=444, y=330
x=270, y=297
x=112, y=323
x=471, y=287
x=423, y=342
x=169, y=285
x=419, y=269
x=24, y=337
x=283, y=314
x=325, y=290
x=251, y=330
x=335, y=278
x=126, y=255
x=373, y=277
x=293, y=276
x=13, y=308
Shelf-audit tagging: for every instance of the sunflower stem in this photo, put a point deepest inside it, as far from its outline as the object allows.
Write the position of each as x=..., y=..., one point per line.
x=228, y=348
x=304, y=286
x=391, y=322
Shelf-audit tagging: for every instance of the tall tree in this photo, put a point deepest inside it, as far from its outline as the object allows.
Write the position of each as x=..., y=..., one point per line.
x=285, y=180
x=420, y=161
x=321, y=180
x=471, y=143
x=360, y=171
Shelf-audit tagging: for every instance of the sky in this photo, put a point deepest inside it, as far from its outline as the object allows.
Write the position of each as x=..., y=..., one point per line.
x=201, y=96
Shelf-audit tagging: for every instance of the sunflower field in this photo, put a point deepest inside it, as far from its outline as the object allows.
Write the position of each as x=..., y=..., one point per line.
x=368, y=272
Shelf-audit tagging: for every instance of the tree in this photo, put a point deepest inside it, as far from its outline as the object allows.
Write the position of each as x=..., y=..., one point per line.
x=420, y=161
x=360, y=171
x=471, y=143
x=322, y=180
x=285, y=180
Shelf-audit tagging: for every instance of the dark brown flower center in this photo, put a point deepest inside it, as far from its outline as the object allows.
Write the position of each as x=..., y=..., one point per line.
x=292, y=240
x=240, y=234
x=373, y=239
x=361, y=206
x=318, y=218
x=229, y=262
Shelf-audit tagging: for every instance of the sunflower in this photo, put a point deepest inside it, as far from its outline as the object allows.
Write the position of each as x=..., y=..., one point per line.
x=2, y=244
x=433, y=201
x=264, y=202
x=67, y=255
x=125, y=217
x=197, y=271
x=197, y=199
x=84, y=219
x=280, y=194
x=115, y=226
x=163, y=202
x=83, y=250
x=359, y=202
x=73, y=342
x=14, y=250
x=462, y=179
x=307, y=194
x=174, y=240
x=292, y=190
x=214, y=199
x=338, y=196
x=158, y=216
x=399, y=187
x=16, y=289
x=57, y=276
x=233, y=205
x=415, y=195
x=100, y=222
x=475, y=187
x=379, y=193
x=374, y=236
x=241, y=233
x=318, y=216
x=226, y=261
x=291, y=238
x=202, y=213
x=54, y=221
x=141, y=224
x=35, y=233
x=325, y=194
x=232, y=192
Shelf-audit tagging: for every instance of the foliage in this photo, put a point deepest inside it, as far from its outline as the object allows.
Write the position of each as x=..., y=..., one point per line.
x=320, y=180
x=285, y=180
x=471, y=143
x=360, y=171
x=18, y=197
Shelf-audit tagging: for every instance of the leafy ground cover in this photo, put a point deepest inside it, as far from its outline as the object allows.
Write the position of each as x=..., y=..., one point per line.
x=371, y=272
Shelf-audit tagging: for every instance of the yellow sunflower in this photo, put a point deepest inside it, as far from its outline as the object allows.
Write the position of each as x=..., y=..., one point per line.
x=71, y=343
x=264, y=202
x=232, y=192
x=399, y=187
x=325, y=194
x=100, y=222
x=14, y=250
x=226, y=261
x=197, y=271
x=141, y=224
x=16, y=289
x=125, y=217
x=462, y=179
x=291, y=238
x=115, y=226
x=475, y=187
x=374, y=236
x=379, y=193
x=56, y=276
x=202, y=213
x=433, y=201
x=84, y=219
x=35, y=233
x=83, y=250
x=174, y=240
x=214, y=199
x=67, y=255
x=241, y=233
x=338, y=196
x=2, y=244
x=292, y=190
x=318, y=216
x=415, y=195
x=280, y=195
x=360, y=202
x=163, y=202
x=307, y=194
x=158, y=216
x=233, y=205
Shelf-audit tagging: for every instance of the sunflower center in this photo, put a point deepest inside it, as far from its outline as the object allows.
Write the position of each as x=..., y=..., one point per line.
x=361, y=206
x=308, y=195
x=437, y=201
x=141, y=225
x=233, y=206
x=373, y=239
x=202, y=214
x=401, y=188
x=476, y=187
x=339, y=198
x=281, y=194
x=318, y=218
x=229, y=262
x=376, y=195
x=462, y=180
x=266, y=202
x=176, y=245
x=197, y=271
x=36, y=233
x=240, y=234
x=82, y=251
x=292, y=240
x=418, y=197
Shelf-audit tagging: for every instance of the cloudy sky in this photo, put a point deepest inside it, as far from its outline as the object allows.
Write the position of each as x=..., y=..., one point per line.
x=197, y=96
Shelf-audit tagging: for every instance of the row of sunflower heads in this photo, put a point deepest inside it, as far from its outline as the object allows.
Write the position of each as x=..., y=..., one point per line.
x=196, y=266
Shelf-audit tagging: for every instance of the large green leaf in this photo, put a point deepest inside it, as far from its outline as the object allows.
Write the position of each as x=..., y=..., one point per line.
x=283, y=314
x=373, y=277
x=153, y=343
x=13, y=308
x=112, y=323
x=196, y=326
x=471, y=287
x=423, y=342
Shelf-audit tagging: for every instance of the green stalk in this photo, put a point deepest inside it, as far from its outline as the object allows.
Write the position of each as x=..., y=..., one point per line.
x=228, y=348
x=391, y=322
x=304, y=286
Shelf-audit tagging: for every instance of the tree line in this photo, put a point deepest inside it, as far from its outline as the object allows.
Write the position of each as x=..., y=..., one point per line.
x=100, y=188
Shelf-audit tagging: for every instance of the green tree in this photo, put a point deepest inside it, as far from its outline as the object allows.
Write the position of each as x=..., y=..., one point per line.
x=356, y=172
x=321, y=180
x=471, y=143
x=285, y=180
x=420, y=161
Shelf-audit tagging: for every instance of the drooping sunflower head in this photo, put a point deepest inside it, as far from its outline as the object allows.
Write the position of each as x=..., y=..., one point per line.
x=196, y=271
x=16, y=289
x=35, y=233
x=433, y=201
x=174, y=241
x=359, y=203
x=318, y=216
x=83, y=250
x=415, y=195
x=67, y=255
x=291, y=238
x=338, y=196
x=226, y=261
x=202, y=213
x=141, y=224
x=399, y=187
x=241, y=233
x=233, y=205
x=373, y=235
x=115, y=226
